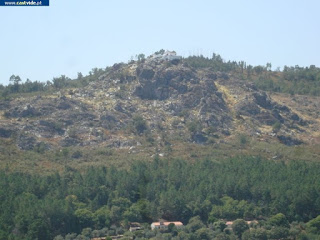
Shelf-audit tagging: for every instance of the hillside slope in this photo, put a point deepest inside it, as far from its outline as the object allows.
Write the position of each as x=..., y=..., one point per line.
x=161, y=106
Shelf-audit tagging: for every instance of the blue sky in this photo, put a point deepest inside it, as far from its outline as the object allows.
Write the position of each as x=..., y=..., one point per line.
x=73, y=36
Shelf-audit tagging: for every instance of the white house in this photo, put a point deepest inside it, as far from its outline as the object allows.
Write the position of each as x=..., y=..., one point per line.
x=134, y=226
x=164, y=225
x=170, y=55
x=167, y=55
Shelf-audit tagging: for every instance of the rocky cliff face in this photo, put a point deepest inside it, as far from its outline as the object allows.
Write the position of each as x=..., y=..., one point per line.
x=158, y=99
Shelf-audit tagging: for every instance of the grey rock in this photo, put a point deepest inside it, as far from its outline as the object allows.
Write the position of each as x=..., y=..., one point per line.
x=199, y=138
x=289, y=141
x=6, y=133
x=26, y=142
x=262, y=100
x=247, y=108
x=68, y=142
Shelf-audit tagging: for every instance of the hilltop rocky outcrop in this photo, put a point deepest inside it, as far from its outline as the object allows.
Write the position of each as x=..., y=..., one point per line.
x=171, y=99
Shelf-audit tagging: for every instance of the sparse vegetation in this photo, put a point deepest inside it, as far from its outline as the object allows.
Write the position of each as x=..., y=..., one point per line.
x=194, y=126
x=140, y=125
x=292, y=80
x=276, y=127
x=243, y=139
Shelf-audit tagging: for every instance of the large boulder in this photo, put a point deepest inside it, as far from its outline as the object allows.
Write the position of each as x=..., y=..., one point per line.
x=289, y=141
x=23, y=112
x=5, y=133
x=26, y=142
x=263, y=100
x=145, y=73
x=247, y=108
x=162, y=83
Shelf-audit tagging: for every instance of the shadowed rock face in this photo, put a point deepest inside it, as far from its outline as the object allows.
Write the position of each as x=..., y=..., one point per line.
x=247, y=108
x=161, y=83
x=259, y=106
x=168, y=96
x=186, y=88
x=5, y=133
x=199, y=138
x=289, y=141
x=26, y=142
x=262, y=100
x=39, y=107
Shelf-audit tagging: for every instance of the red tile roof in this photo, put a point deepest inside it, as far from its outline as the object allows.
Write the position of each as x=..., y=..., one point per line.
x=167, y=223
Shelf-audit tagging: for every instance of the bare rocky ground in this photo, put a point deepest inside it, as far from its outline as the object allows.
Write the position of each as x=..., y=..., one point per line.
x=170, y=100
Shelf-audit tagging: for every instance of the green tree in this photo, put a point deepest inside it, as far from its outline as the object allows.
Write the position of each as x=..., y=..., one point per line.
x=102, y=217
x=249, y=71
x=219, y=225
x=239, y=226
x=255, y=234
x=222, y=236
x=5, y=93
x=141, y=57
x=115, y=214
x=194, y=126
x=133, y=214
x=258, y=69
x=231, y=209
x=38, y=230
x=15, y=80
x=194, y=224
x=313, y=226
x=85, y=217
x=276, y=127
x=171, y=227
x=278, y=233
x=268, y=66
x=279, y=220
x=204, y=234
x=161, y=51
x=139, y=124
x=60, y=82
x=80, y=76
x=243, y=139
